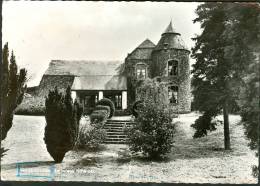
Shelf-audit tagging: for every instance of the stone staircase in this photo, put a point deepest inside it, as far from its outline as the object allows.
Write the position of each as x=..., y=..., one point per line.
x=115, y=131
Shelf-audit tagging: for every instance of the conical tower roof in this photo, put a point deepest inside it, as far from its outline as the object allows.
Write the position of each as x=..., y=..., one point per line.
x=170, y=29
x=143, y=51
x=171, y=39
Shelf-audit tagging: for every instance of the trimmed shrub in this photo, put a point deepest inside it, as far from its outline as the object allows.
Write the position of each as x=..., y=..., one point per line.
x=91, y=136
x=153, y=131
x=98, y=116
x=136, y=107
x=102, y=107
x=107, y=102
x=62, y=118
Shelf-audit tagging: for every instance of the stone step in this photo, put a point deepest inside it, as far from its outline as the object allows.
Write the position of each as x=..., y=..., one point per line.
x=118, y=124
x=116, y=121
x=115, y=125
x=117, y=136
x=114, y=129
x=116, y=133
x=117, y=140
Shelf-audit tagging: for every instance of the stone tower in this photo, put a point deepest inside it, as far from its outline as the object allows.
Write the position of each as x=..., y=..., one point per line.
x=168, y=62
x=170, y=65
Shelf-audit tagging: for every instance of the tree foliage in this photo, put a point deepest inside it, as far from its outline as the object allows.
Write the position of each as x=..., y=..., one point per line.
x=12, y=88
x=62, y=118
x=223, y=54
x=152, y=133
x=244, y=37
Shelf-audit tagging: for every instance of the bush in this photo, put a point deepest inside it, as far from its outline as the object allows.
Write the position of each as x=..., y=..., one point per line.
x=125, y=112
x=136, y=107
x=107, y=102
x=62, y=118
x=34, y=111
x=153, y=132
x=91, y=136
x=102, y=107
x=31, y=106
x=99, y=116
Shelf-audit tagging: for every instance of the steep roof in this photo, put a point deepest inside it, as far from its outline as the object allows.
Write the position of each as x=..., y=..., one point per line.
x=171, y=39
x=170, y=29
x=143, y=51
x=146, y=44
x=83, y=67
x=99, y=83
x=89, y=74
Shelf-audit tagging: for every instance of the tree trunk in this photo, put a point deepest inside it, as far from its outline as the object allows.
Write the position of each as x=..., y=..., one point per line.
x=226, y=127
x=259, y=147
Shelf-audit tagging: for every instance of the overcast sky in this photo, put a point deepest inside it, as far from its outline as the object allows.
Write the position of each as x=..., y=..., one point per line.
x=41, y=31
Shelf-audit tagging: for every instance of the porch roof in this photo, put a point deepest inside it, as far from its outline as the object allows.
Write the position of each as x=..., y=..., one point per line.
x=100, y=82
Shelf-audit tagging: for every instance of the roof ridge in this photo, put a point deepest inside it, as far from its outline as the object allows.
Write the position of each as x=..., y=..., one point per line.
x=147, y=43
x=84, y=60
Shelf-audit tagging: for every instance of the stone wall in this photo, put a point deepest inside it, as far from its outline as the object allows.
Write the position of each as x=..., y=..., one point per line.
x=35, y=105
x=131, y=78
x=49, y=82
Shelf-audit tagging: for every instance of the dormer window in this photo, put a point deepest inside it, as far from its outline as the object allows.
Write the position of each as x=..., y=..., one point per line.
x=172, y=68
x=165, y=46
x=141, y=71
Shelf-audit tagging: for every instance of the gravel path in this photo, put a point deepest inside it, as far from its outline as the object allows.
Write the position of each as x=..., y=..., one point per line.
x=191, y=160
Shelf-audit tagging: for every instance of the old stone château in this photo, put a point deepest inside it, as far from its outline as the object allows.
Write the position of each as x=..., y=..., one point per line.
x=168, y=62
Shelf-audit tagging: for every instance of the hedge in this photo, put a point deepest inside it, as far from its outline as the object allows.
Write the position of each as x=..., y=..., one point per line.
x=107, y=102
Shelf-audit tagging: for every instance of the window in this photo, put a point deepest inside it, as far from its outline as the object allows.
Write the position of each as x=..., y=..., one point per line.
x=172, y=68
x=173, y=94
x=96, y=98
x=118, y=101
x=141, y=71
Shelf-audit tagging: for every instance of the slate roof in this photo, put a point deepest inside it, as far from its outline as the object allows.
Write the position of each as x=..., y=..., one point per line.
x=170, y=29
x=146, y=44
x=89, y=74
x=100, y=83
x=83, y=67
x=171, y=39
x=143, y=51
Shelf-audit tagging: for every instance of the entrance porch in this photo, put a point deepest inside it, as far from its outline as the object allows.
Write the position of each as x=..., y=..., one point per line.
x=89, y=98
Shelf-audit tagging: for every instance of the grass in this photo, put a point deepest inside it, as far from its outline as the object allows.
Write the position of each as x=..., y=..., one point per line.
x=201, y=160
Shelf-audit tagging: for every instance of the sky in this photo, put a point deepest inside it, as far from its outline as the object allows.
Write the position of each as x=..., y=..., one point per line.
x=39, y=32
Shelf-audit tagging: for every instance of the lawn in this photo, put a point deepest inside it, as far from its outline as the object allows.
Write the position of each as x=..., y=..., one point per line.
x=191, y=160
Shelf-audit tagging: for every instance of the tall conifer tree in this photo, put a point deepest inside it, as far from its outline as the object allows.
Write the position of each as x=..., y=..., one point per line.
x=224, y=54
x=12, y=86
